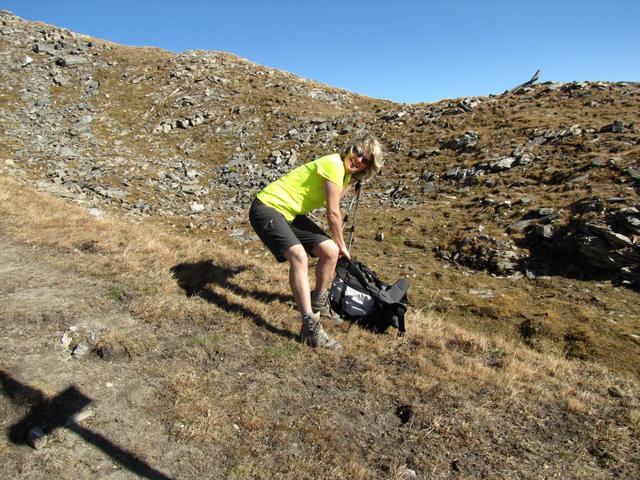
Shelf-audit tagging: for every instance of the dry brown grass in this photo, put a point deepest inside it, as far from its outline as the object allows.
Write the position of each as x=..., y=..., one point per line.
x=9, y=101
x=272, y=407
x=569, y=321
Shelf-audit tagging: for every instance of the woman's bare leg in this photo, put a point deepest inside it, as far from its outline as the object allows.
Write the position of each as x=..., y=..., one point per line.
x=298, y=277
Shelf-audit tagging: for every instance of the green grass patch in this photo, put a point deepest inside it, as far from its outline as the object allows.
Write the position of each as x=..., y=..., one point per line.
x=276, y=352
x=242, y=470
x=120, y=293
x=202, y=340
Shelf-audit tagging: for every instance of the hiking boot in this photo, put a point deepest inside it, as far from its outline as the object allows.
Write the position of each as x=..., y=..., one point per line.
x=314, y=335
x=320, y=303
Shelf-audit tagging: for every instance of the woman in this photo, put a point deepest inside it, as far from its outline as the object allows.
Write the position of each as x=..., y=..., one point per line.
x=278, y=216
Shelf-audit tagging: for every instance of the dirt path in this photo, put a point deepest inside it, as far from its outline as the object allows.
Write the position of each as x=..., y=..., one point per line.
x=119, y=438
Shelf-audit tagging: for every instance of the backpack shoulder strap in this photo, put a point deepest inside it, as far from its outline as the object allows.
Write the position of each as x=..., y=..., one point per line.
x=401, y=328
x=372, y=276
x=355, y=269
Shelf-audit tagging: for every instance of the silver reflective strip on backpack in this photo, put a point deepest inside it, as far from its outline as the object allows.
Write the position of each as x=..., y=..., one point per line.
x=356, y=303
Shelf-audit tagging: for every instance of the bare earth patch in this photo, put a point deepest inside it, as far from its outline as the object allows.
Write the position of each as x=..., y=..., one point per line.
x=41, y=377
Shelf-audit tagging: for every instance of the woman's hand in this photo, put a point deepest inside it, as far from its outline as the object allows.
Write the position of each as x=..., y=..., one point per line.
x=344, y=252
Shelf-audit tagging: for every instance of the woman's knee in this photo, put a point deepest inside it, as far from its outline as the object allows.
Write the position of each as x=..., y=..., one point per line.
x=327, y=250
x=297, y=256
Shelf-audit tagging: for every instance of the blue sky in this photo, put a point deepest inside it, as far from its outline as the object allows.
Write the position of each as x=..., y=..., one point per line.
x=403, y=50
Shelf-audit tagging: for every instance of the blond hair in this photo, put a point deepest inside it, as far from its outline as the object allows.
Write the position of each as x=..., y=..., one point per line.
x=372, y=148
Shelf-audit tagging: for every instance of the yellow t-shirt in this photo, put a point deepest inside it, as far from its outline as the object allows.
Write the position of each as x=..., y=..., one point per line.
x=302, y=189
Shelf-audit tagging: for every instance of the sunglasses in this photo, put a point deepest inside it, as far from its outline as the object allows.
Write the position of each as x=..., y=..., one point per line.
x=358, y=152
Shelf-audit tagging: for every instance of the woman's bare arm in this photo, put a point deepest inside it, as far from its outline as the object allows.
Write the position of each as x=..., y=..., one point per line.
x=334, y=216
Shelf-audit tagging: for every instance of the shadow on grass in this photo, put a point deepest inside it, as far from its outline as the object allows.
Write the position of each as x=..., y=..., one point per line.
x=58, y=412
x=193, y=278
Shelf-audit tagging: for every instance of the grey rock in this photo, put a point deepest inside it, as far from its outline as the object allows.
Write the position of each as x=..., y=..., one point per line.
x=525, y=159
x=431, y=152
x=427, y=175
x=597, y=253
x=237, y=233
x=67, y=152
x=80, y=416
x=72, y=61
x=578, y=177
x=393, y=116
x=453, y=173
x=142, y=207
x=484, y=253
x=44, y=101
x=521, y=226
x=633, y=174
x=428, y=187
x=69, y=336
x=543, y=212
x=44, y=48
x=588, y=205
x=633, y=223
x=615, y=239
x=615, y=392
x=546, y=136
x=592, y=246
x=96, y=212
x=505, y=264
x=81, y=349
x=544, y=231
x=197, y=207
x=79, y=129
x=91, y=85
x=482, y=293
x=615, y=127
x=503, y=164
x=59, y=80
x=36, y=438
x=468, y=104
x=397, y=145
x=192, y=189
x=618, y=127
x=408, y=474
x=467, y=141
x=110, y=193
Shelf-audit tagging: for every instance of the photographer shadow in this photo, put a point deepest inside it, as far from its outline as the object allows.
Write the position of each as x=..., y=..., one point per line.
x=45, y=415
x=195, y=278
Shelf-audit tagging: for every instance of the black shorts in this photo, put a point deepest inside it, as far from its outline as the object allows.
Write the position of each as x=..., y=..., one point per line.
x=279, y=235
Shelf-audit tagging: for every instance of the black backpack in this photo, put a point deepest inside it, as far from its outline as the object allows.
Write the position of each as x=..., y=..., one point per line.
x=357, y=294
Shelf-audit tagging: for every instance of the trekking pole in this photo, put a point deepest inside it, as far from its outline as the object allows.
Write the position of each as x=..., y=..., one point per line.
x=355, y=213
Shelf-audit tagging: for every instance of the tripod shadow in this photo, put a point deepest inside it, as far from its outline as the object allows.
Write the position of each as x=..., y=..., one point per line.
x=49, y=414
x=194, y=279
